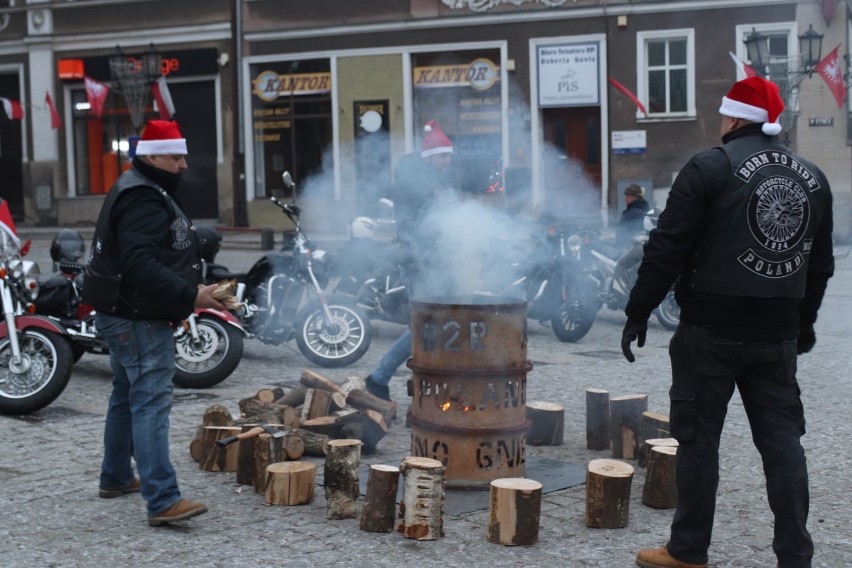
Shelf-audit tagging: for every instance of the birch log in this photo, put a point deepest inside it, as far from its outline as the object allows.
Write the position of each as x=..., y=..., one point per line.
x=340, y=478
x=422, y=505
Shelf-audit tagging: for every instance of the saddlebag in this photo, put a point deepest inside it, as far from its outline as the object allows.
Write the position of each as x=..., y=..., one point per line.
x=55, y=295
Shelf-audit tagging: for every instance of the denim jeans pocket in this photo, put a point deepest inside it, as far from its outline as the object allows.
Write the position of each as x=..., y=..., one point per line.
x=682, y=419
x=110, y=326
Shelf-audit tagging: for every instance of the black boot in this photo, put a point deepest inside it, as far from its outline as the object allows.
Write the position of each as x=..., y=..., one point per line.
x=376, y=389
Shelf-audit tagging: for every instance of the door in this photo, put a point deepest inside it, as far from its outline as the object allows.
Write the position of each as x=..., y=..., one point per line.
x=11, y=149
x=195, y=111
x=571, y=172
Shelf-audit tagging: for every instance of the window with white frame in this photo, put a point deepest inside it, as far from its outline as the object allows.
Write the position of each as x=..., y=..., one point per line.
x=665, y=62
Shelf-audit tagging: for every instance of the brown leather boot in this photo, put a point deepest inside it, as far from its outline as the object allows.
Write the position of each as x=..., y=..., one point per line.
x=107, y=493
x=181, y=510
x=660, y=558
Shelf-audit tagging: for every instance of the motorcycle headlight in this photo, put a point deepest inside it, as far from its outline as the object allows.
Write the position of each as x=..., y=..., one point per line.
x=574, y=244
x=320, y=264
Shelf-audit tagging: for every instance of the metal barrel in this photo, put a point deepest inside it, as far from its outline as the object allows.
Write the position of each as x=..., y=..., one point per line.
x=469, y=384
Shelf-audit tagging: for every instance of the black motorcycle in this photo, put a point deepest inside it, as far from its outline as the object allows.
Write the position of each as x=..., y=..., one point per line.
x=283, y=298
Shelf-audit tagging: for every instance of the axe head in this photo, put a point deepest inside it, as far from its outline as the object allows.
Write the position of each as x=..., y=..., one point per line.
x=276, y=433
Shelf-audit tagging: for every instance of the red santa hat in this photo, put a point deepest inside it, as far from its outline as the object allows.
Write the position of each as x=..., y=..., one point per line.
x=757, y=100
x=161, y=138
x=434, y=141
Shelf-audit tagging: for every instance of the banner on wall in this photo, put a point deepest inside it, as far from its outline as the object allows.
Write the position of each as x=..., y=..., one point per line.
x=568, y=74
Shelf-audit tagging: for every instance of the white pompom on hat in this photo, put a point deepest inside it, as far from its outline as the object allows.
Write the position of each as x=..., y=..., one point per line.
x=161, y=138
x=757, y=100
x=435, y=141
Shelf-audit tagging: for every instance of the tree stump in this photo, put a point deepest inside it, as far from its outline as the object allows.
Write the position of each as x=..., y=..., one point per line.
x=215, y=457
x=660, y=490
x=625, y=418
x=597, y=419
x=650, y=443
x=380, y=502
x=608, y=494
x=340, y=478
x=267, y=450
x=514, y=511
x=245, y=460
x=547, y=423
x=422, y=505
x=653, y=425
x=290, y=483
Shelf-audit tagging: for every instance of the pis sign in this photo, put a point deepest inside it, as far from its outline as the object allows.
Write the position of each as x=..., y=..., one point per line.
x=568, y=74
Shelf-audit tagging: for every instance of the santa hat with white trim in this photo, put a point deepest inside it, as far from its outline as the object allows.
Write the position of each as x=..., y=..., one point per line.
x=161, y=138
x=434, y=141
x=757, y=100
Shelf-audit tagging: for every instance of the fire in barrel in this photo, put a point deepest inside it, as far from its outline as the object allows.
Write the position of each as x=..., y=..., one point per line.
x=469, y=364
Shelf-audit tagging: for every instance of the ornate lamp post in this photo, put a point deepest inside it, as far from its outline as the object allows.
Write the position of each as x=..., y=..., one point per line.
x=133, y=74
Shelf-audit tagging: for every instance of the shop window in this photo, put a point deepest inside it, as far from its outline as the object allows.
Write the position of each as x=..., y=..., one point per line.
x=461, y=92
x=291, y=125
x=666, y=77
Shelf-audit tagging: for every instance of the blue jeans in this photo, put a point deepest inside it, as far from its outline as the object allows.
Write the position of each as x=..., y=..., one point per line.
x=142, y=357
x=398, y=354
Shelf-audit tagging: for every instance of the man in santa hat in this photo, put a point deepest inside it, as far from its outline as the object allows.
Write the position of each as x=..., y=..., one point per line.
x=421, y=184
x=142, y=279
x=746, y=233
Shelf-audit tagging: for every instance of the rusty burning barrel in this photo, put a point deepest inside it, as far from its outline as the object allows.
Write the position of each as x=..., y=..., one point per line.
x=469, y=364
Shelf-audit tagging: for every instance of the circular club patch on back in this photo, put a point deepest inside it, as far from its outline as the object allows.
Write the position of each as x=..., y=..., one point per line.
x=778, y=213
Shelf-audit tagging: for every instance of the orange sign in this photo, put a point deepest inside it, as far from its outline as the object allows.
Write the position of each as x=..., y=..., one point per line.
x=70, y=68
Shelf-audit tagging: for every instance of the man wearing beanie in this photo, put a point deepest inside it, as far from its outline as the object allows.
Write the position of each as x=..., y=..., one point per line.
x=633, y=216
x=746, y=234
x=142, y=279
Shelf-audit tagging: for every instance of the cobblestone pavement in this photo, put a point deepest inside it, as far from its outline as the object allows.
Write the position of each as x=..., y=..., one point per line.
x=49, y=465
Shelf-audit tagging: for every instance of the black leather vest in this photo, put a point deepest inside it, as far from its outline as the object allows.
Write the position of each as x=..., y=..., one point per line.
x=759, y=230
x=106, y=290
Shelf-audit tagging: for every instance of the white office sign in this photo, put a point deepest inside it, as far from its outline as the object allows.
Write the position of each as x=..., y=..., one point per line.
x=628, y=142
x=569, y=75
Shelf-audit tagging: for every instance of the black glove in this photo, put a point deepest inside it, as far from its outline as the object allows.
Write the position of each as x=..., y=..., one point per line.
x=807, y=339
x=633, y=331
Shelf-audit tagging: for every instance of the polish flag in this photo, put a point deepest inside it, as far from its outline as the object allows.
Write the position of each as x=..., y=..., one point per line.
x=829, y=70
x=743, y=70
x=13, y=109
x=164, y=98
x=629, y=95
x=55, y=121
x=6, y=223
x=96, y=93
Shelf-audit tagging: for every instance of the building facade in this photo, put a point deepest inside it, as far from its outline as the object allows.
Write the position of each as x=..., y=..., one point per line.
x=553, y=106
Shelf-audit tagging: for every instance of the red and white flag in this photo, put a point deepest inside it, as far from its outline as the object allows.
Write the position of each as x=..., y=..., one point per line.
x=96, y=93
x=55, y=121
x=6, y=223
x=830, y=71
x=743, y=70
x=164, y=98
x=13, y=109
x=629, y=95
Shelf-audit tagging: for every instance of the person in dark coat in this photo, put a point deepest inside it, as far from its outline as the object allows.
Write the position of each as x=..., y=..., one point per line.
x=633, y=216
x=746, y=233
x=142, y=278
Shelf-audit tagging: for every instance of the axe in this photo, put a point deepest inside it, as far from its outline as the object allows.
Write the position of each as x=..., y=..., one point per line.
x=256, y=431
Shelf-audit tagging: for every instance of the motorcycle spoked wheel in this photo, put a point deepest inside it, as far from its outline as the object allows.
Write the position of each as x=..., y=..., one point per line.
x=668, y=312
x=576, y=312
x=338, y=343
x=46, y=369
x=212, y=359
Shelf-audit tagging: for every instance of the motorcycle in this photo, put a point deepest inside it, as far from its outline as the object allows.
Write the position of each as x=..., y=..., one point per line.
x=283, y=298
x=616, y=271
x=35, y=353
x=208, y=344
x=371, y=268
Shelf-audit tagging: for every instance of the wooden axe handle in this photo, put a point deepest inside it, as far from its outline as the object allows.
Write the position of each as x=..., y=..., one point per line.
x=256, y=431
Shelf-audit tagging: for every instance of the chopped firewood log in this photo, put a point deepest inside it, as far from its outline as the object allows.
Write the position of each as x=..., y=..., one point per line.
x=379, y=509
x=368, y=426
x=215, y=457
x=338, y=402
x=293, y=397
x=608, y=494
x=547, y=423
x=317, y=404
x=225, y=293
x=362, y=400
x=340, y=478
x=422, y=506
x=642, y=460
x=267, y=450
x=514, y=512
x=315, y=381
x=245, y=460
x=292, y=446
x=196, y=443
x=269, y=395
x=353, y=383
x=344, y=411
x=253, y=410
x=625, y=418
x=660, y=491
x=217, y=415
x=597, y=419
x=290, y=483
x=314, y=444
x=325, y=425
x=653, y=425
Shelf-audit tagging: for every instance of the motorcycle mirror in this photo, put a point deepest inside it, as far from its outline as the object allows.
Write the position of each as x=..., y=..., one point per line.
x=288, y=180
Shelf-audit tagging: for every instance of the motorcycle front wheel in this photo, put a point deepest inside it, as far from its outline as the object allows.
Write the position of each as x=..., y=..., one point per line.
x=335, y=343
x=39, y=377
x=209, y=360
x=668, y=312
x=577, y=311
